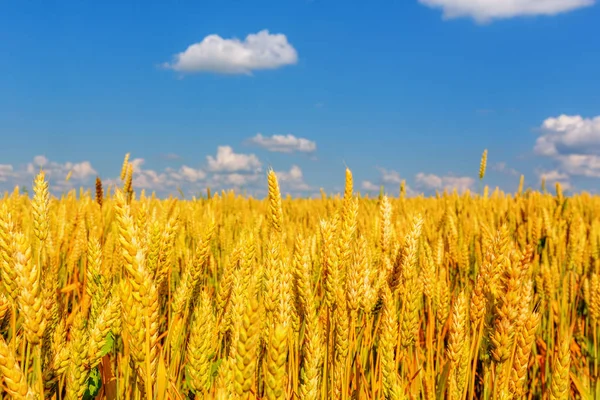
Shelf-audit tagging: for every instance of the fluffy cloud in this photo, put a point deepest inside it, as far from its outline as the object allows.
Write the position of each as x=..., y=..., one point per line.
x=6, y=171
x=226, y=170
x=284, y=143
x=390, y=176
x=170, y=156
x=391, y=181
x=229, y=161
x=573, y=143
x=170, y=178
x=292, y=180
x=258, y=51
x=435, y=182
x=569, y=134
x=289, y=181
x=486, y=10
x=40, y=161
x=555, y=176
x=80, y=171
x=190, y=174
x=369, y=186
x=234, y=180
x=503, y=168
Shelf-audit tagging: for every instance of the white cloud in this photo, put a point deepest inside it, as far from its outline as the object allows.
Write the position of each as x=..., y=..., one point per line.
x=573, y=142
x=229, y=161
x=226, y=170
x=391, y=181
x=153, y=180
x=191, y=174
x=486, y=10
x=430, y=181
x=369, y=186
x=165, y=181
x=292, y=179
x=554, y=176
x=502, y=167
x=149, y=179
x=137, y=163
x=230, y=170
x=569, y=134
x=80, y=171
x=258, y=51
x=55, y=173
x=6, y=172
x=40, y=161
x=236, y=180
x=435, y=182
x=390, y=176
x=170, y=156
x=284, y=143
x=143, y=178
x=581, y=164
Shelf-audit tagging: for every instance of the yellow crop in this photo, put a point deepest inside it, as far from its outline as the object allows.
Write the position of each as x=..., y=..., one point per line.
x=114, y=295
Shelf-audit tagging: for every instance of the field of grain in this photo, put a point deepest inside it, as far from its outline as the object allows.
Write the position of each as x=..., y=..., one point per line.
x=119, y=295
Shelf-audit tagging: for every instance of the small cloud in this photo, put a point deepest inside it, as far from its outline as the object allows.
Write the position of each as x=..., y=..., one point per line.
x=484, y=111
x=149, y=179
x=165, y=181
x=369, y=186
x=40, y=161
x=293, y=179
x=235, y=180
x=137, y=163
x=259, y=51
x=390, y=176
x=188, y=174
x=227, y=170
x=170, y=156
x=192, y=174
x=229, y=161
x=80, y=171
x=503, y=168
x=484, y=11
x=284, y=143
x=319, y=105
x=435, y=182
x=555, y=176
x=6, y=172
x=387, y=177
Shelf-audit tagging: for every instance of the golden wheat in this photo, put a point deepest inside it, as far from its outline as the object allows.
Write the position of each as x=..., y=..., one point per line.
x=115, y=294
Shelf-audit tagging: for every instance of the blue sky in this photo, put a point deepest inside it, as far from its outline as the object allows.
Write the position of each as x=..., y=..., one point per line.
x=411, y=89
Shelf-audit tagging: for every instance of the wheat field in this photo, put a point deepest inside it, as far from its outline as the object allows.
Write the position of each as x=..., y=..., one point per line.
x=120, y=295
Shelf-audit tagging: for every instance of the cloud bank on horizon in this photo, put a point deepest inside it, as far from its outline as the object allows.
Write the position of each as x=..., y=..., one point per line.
x=570, y=142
